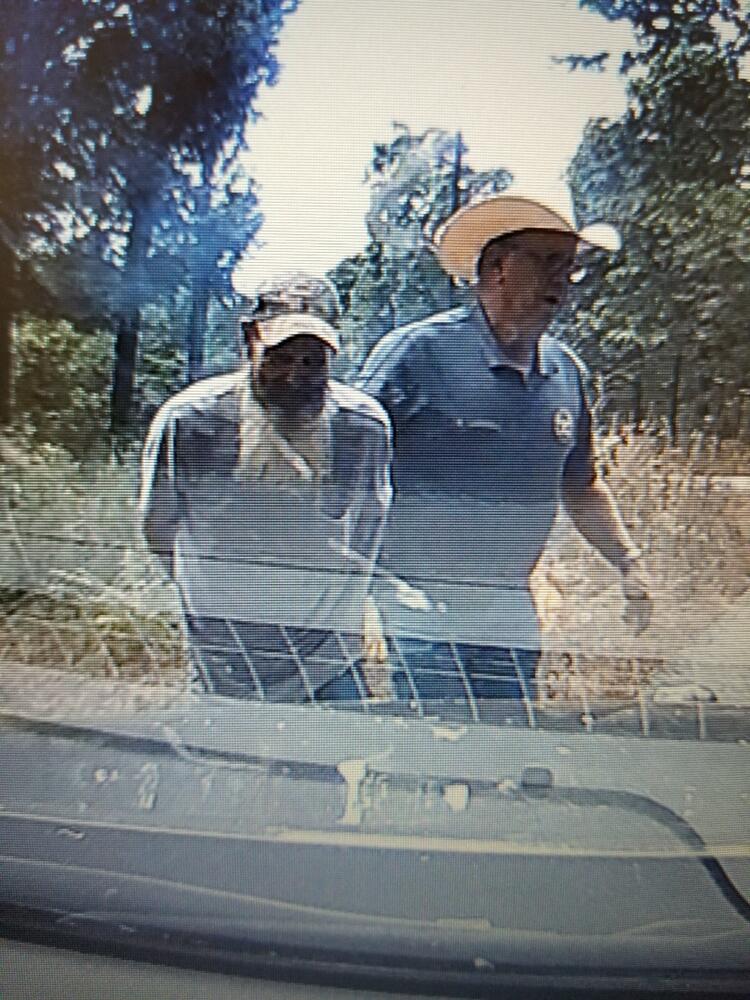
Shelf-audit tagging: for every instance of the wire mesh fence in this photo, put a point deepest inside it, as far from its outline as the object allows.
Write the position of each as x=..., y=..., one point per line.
x=79, y=593
x=563, y=696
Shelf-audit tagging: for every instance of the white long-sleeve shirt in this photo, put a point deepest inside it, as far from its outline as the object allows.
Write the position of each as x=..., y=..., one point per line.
x=299, y=554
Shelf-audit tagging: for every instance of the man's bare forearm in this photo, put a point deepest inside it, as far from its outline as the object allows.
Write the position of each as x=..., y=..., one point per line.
x=595, y=514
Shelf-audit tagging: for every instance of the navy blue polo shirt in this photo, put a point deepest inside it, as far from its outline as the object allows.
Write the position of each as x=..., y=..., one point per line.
x=480, y=454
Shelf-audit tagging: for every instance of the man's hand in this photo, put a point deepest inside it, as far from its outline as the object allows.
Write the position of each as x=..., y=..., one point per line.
x=374, y=646
x=636, y=589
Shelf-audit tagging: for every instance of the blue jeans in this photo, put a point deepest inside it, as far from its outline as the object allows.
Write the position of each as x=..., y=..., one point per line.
x=462, y=672
x=273, y=662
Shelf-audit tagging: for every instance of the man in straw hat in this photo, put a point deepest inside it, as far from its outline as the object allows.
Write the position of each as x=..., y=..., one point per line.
x=492, y=430
x=264, y=492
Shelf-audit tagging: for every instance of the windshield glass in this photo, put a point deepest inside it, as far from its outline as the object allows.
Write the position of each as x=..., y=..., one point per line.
x=375, y=479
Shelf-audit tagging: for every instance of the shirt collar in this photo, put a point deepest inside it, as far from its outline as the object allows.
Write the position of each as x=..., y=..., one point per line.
x=495, y=357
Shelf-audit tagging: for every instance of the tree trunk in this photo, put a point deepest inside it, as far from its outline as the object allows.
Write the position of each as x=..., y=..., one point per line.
x=126, y=343
x=6, y=336
x=123, y=378
x=198, y=327
x=455, y=205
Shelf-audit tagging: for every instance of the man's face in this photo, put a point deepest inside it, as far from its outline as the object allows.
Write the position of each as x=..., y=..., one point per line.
x=530, y=279
x=292, y=377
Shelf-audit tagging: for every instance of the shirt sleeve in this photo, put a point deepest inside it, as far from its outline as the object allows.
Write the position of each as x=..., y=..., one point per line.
x=387, y=374
x=376, y=494
x=160, y=505
x=580, y=466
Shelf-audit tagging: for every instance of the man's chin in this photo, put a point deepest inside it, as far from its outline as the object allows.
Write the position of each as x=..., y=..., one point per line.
x=296, y=412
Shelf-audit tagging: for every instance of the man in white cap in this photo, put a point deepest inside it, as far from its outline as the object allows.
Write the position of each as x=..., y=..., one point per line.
x=491, y=431
x=265, y=492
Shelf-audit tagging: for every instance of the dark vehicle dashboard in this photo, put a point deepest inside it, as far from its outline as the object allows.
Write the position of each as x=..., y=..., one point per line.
x=377, y=851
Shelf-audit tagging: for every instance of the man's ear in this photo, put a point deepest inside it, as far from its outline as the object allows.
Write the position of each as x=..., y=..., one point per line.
x=493, y=270
x=498, y=266
x=249, y=329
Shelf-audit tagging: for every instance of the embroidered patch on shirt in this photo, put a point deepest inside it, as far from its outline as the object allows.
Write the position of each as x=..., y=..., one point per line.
x=562, y=425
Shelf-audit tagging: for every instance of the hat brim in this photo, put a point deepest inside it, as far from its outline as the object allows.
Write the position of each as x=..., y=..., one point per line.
x=459, y=241
x=275, y=331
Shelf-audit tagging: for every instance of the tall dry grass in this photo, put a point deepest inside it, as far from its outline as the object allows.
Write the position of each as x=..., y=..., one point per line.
x=688, y=507
x=79, y=591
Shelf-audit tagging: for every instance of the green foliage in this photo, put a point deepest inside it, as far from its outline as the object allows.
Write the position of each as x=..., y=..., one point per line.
x=104, y=98
x=113, y=119
x=382, y=289
x=62, y=380
x=416, y=181
x=209, y=235
x=223, y=340
x=661, y=26
x=665, y=318
x=61, y=383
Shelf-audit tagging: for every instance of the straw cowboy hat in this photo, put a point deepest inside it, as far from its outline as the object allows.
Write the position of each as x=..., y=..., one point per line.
x=459, y=240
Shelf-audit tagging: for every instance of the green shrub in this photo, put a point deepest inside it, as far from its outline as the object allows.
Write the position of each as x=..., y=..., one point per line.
x=61, y=384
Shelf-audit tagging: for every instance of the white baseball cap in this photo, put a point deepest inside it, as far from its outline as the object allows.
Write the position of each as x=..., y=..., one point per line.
x=276, y=330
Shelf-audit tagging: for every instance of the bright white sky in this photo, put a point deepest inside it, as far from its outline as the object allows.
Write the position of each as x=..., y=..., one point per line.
x=352, y=67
